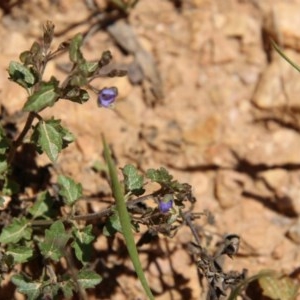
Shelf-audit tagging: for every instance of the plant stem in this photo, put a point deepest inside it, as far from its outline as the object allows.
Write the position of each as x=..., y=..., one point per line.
x=93, y=216
x=20, y=138
x=71, y=267
x=187, y=216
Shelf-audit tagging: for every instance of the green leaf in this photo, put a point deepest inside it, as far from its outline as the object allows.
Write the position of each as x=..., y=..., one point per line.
x=160, y=176
x=67, y=288
x=6, y=263
x=88, y=279
x=21, y=74
x=4, y=146
x=83, y=243
x=78, y=79
x=17, y=230
x=24, y=286
x=4, y=142
x=132, y=180
x=74, y=50
x=21, y=254
x=67, y=136
x=56, y=239
x=100, y=167
x=26, y=58
x=42, y=205
x=33, y=57
x=44, y=97
x=88, y=68
x=82, y=251
x=84, y=236
x=276, y=286
x=3, y=165
x=49, y=291
x=69, y=189
x=49, y=138
x=112, y=225
x=75, y=94
x=125, y=220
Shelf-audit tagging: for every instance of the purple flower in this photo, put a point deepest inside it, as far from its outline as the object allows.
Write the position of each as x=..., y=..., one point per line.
x=166, y=203
x=107, y=96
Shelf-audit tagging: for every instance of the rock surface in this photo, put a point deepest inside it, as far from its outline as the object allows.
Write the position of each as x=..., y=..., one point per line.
x=228, y=125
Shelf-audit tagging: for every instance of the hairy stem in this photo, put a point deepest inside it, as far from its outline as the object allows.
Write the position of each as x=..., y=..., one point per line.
x=187, y=216
x=93, y=216
x=18, y=142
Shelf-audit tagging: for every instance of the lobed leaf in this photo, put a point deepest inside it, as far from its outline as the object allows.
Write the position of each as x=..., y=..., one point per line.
x=160, y=176
x=82, y=243
x=67, y=288
x=21, y=254
x=132, y=180
x=164, y=178
x=17, y=230
x=69, y=189
x=112, y=225
x=56, y=239
x=88, y=279
x=50, y=291
x=29, y=288
x=44, y=97
x=85, y=236
x=42, y=205
x=49, y=139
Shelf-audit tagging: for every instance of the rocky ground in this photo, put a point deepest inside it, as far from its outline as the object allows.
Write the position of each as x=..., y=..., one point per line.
x=218, y=107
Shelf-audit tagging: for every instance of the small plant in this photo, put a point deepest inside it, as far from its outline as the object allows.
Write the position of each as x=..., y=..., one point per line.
x=48, y=252
x=38, y=233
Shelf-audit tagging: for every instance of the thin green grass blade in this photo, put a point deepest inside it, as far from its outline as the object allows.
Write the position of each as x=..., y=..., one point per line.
x=125, y=220
x=280, y=52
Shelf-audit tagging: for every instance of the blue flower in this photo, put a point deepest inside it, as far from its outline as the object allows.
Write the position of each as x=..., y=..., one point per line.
x=166, y=203
x=107, y=96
